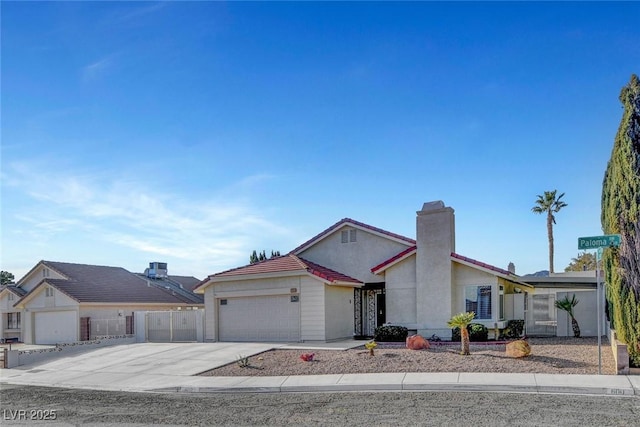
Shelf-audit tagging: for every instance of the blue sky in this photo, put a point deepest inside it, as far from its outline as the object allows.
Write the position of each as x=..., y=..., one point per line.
x=193, y=133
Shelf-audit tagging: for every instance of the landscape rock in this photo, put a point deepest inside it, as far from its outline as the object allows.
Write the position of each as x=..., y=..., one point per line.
x=417, y=342
x=517, y=349
x=307, y=357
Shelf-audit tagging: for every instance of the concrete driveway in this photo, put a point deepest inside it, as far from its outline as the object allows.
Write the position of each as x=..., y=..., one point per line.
x=143, y=364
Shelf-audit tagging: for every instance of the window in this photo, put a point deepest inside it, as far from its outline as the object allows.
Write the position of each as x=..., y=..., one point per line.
x=478, y=300
x=352, y=235
x=345, y=236
x=10, y=297
x=501, y=302
x=13, y=320
x=48, y=292
x=45, y=272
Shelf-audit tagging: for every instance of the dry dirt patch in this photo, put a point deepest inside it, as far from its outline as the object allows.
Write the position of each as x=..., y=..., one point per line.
x=549, y=355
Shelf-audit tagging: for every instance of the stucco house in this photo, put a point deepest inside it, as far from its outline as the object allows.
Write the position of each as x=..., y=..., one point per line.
x=58, y=302
x=353, y=277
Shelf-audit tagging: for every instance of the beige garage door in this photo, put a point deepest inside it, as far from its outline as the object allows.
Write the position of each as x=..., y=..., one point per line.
x=267, y=319
x=56, y=327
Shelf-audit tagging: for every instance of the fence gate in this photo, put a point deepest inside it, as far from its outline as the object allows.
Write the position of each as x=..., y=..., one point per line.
x=171, y=326
x=541, y=317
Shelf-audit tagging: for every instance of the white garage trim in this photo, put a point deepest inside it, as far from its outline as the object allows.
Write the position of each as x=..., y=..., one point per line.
x=254, y=292
x=271, y=318
x=55, y=327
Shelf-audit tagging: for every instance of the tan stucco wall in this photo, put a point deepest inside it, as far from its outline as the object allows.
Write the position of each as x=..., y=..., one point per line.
x=41, y=301
x=354, y=259
x=464, y=276
x=401, y=293
x=6, y=304
x=36, y=276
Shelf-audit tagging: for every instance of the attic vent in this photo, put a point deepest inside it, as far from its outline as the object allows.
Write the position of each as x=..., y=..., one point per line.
x=347, y=236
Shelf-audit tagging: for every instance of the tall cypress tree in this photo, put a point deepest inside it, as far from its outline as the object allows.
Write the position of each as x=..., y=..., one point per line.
x=621, y=215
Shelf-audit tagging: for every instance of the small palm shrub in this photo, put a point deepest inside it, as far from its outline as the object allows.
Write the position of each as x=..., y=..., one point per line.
x=389, y=333
x=371, y=345
x=567, y=305
x=462, y=321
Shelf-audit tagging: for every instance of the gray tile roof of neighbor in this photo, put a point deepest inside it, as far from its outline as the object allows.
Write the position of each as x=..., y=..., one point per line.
x=93, y=283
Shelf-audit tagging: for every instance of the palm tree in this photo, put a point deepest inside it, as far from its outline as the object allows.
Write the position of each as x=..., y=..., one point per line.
x=567, y=305
x=550, y=204
x=462, y=320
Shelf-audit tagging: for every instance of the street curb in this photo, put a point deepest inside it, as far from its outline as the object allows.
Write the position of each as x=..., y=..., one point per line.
x=623, y=387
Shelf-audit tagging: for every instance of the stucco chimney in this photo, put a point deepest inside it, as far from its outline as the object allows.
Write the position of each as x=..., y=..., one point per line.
x=511, y=268
x=435, y=238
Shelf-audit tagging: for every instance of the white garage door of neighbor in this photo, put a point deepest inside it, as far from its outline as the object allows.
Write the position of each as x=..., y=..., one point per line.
x=266, y=318
x=54, y=327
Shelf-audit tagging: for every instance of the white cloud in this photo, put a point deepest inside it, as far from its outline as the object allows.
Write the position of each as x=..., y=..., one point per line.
x=99, y=67
x=214, y=234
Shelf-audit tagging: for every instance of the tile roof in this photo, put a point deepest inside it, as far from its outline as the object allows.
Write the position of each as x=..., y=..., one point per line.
x=187, y=282
x=283, y=264
x=13, y=288
x=409, y=251
x=327, y=273
x=482, y=264
x=93, y=283
x=355, y=223
x=174, y=286
x=380, y=267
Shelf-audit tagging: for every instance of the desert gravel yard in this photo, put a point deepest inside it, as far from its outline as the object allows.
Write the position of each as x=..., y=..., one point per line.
x=548, y=355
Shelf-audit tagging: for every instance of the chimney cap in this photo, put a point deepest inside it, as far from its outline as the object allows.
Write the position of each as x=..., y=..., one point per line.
x=430, y=206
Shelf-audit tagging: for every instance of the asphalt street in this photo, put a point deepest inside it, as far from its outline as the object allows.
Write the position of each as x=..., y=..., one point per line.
x=22, y=405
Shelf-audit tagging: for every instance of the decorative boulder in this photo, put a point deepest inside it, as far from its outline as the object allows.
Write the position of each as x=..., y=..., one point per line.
x=417, y=342
x=307, y=357
x=519, y=348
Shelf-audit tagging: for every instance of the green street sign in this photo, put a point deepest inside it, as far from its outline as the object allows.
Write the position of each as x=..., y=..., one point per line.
x=595, y=242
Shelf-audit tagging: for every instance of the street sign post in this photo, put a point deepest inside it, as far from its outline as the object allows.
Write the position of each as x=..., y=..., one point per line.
x=608, y=240
x=599, y=242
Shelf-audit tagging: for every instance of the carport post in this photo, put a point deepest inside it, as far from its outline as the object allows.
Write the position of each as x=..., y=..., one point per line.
x=598, y=304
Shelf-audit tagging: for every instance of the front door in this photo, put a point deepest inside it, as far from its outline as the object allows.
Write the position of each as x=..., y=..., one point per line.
x=369, y=308
x=380, y=309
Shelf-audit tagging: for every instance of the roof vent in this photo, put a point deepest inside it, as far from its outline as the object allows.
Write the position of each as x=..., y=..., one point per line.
x=156, y=270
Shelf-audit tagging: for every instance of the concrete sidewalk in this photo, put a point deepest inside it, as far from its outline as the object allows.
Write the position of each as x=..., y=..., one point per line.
x=152, y=367
x=476, y=382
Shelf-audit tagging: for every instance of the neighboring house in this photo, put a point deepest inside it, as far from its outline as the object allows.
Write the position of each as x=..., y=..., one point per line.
x=11, y=322
x=542, y=316
x=57, y=302
x=353, y=277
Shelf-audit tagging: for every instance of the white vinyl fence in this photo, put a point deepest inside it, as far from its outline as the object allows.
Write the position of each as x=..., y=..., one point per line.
x=170, y=326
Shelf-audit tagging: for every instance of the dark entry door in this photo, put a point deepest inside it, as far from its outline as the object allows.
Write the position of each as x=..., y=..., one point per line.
x=381, y=312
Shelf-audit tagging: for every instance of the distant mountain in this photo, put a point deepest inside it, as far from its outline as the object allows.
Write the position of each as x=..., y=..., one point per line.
x=541, y=273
